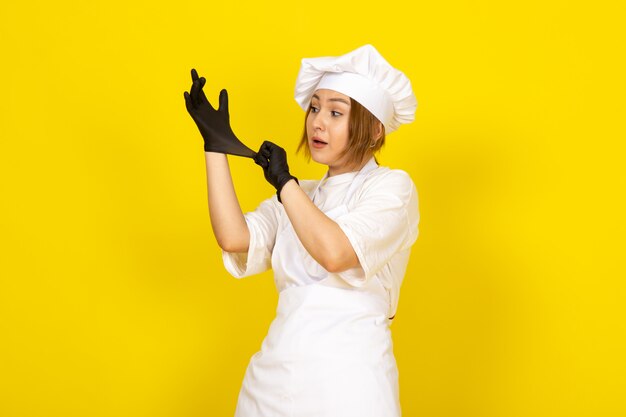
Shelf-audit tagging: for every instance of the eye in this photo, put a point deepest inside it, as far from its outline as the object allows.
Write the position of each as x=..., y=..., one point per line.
x=314, y=109
x=335, y=113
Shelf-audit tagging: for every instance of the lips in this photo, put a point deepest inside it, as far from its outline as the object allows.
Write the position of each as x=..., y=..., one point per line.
x=318, y=141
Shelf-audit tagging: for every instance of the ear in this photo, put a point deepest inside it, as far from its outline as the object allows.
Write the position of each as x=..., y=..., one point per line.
x=379, y=130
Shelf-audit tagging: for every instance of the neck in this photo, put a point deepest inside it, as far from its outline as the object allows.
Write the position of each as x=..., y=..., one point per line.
x=332, y=171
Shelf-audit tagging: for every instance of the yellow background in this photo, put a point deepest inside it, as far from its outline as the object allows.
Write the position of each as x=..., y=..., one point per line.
x=113, y=297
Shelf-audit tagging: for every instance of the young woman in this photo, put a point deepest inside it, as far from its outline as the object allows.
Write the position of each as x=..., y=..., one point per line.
x=339, y=247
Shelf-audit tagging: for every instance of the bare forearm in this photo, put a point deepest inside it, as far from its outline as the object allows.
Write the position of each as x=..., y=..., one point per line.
x=229, y=225
x=319, y=234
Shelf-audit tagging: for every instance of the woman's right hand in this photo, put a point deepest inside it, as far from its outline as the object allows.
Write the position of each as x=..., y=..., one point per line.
x=214, y=125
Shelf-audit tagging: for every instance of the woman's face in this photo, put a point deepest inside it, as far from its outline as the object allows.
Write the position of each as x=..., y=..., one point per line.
x=327, y=129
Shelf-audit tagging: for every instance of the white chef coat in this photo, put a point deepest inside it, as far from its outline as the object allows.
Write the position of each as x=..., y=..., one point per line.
x=329, y=350
x=380, y=220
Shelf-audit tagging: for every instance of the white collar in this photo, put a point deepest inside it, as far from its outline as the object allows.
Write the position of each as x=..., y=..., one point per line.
x=340, y=178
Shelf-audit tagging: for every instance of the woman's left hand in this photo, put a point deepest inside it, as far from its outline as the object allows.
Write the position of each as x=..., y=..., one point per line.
x=273, y=159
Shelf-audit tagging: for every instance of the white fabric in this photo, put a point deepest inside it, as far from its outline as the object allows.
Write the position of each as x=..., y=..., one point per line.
x=367, y=77
x=329, y=350
x=364, y=90
x=380, y=220
x=328, y=353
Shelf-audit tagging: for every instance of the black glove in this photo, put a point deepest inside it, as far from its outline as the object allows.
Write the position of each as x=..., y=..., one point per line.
x=273, y=159
x=214, y=125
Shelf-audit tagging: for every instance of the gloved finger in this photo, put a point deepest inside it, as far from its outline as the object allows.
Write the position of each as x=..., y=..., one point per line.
x=271, y=148
x=194, y=74
x=224, y=102
x=277, y=151
x=201, y=96
x=195, y=87
x=266, y=146
x=269, y=144
x=188, y=102
x=197, y=95
x=280, y=152
x=260, y=160
x=264, y=150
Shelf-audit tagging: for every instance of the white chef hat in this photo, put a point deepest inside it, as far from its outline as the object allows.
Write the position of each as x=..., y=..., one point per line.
x=365, y=76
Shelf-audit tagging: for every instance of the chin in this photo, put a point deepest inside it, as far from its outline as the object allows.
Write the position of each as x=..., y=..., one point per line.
x=318, y=158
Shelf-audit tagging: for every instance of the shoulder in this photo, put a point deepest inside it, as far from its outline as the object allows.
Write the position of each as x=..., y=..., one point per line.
x=391, y=190
x=386, y=181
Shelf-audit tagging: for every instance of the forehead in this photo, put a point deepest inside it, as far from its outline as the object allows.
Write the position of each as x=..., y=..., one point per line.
x=326, y=95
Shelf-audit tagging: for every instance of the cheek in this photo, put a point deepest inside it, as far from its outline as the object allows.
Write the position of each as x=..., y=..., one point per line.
x=341, y=134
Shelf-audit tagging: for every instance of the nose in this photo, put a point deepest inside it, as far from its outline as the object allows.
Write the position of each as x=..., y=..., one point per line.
x=319, y=122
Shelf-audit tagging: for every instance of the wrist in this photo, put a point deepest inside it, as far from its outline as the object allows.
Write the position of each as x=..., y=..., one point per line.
x=278, y=191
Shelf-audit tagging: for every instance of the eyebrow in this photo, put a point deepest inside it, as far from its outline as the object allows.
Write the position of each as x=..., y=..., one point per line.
x=341, y=100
